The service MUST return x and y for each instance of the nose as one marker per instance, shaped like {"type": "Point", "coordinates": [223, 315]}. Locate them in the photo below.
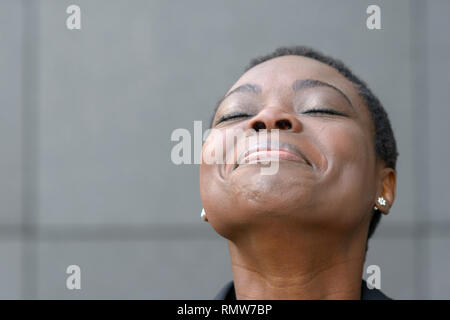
{"type": "Point", "coordinates": [274, 118]}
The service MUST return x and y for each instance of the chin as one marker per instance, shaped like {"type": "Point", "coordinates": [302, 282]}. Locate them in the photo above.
{"type": "Point", "coordinates": [249, 184]}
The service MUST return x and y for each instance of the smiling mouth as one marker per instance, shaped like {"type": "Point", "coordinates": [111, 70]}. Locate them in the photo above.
{"type": "Point", "coordinates": [264, 154]}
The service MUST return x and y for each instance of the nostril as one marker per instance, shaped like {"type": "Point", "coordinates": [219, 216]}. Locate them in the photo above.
{"type": "Point", "coordinates": [284, 124]}
{"type": "Point", "coordinates": [259, 125]}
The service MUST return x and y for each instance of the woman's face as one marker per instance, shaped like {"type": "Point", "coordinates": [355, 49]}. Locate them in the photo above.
{"type": "Point", "coordinates": [334, 190]}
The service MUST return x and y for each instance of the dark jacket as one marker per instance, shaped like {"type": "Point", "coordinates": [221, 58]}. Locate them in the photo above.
{"type": "Point", "coordinates": [228, 293]}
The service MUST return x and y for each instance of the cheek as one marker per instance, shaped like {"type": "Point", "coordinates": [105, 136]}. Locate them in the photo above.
{"type": "Point", "coordinates": [216, 160]}
{"type": "Point", "coordinates": [351, 164]}
{"type": "Point", "coordinates": [214, 195]}
{"type": "Point", "coordinates": [208, 166]}
{"type": "Point", "coordinates": [347, 146]}
{"type": "Point", "coordinates": [211, 147]}
{"type": "Point", "coordinates": [222, 145]}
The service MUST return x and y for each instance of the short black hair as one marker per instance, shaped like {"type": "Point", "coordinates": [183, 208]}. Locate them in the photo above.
{"type": "Point", "coordinates": [384, 140]}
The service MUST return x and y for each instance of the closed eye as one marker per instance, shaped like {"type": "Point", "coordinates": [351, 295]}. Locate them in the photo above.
{"type": "Point", "coordinates": [327, 111]}
{"type": "Point", "coordinates": [231, 116]}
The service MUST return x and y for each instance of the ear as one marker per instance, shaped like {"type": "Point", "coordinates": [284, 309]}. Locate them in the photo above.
{"type": "Point", "coordinates": [386, 189]}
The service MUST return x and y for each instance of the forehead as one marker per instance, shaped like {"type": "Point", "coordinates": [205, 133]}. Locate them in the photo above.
{"type": "Point", "coordinates": [281, 72]}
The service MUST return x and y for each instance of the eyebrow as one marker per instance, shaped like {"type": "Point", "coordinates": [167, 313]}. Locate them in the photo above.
{"type": "Point", "coordinates": [296, 86]}
{"type": "Point", "coordinates": [248, 87]}
{"type": "Point", "coordinates": [311, 83]}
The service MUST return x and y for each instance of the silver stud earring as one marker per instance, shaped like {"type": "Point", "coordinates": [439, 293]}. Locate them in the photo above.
{"type": "Point", "coordinates": [381, 201]}
{"type": "Point", "coordinates": [203, 215]}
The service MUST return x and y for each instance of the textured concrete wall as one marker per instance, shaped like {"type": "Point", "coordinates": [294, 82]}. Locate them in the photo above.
{"type": "Point", "coordinates": [86, 118]}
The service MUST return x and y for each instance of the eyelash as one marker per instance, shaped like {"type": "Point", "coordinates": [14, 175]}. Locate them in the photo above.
{"type": "Point", "coordinates": [234, 115]}
{"type": "Point", "coordinates": [329, 111]}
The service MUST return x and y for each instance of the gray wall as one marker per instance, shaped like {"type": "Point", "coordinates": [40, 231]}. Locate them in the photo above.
{"type": "Point", "coordinates": [86, 118]}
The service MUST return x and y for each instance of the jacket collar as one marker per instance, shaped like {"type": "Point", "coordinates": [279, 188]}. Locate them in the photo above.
{"type": "Point", "coordinates": [227, 293]}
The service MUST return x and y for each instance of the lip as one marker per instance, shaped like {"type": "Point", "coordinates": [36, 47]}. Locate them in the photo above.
{"type": "Point", "coordinates": [264, 152]}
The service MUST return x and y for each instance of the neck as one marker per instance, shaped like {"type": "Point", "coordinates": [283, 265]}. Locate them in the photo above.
{"type": "Point", "coordinates": [272, 265]}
